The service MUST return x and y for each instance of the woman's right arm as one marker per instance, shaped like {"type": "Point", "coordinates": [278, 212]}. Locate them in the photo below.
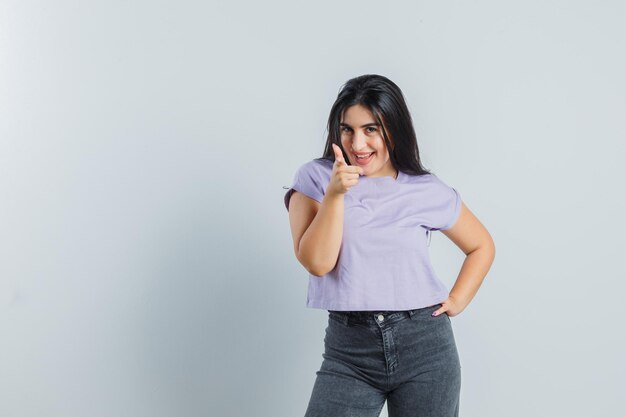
{"type": "Point", "coordinates": [317, 230]}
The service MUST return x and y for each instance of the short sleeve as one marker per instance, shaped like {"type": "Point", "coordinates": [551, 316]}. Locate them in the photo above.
{"type": "Point", "coordinates": [310, 179]}
{"type": "Point", "coordinates": [446, 206]}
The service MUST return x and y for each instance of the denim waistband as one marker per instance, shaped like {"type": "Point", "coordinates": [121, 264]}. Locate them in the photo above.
{"type": "Point", "coordinates": [377, 317]}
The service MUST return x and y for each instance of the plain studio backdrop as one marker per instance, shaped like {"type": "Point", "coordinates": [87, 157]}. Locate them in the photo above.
{"type": "Point", "coordinates": [147, 264]}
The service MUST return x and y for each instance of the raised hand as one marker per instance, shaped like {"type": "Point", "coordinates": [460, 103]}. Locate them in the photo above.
{"type": "Point", "coordinates": [344, 176]}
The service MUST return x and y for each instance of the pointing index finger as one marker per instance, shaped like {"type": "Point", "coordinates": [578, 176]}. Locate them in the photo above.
{"type": "Point", "coordinates": [338, 154]}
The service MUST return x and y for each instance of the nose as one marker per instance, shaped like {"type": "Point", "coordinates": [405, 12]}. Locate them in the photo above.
{"type": "Point", "coordinates": [358, 141]}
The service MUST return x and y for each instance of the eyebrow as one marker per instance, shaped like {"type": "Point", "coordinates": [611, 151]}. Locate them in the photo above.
{"type": "Point", "coordinates": [365, 125]}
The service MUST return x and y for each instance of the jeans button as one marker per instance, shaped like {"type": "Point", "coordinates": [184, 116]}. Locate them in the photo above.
{"type": "Point", "coordinates": [380, 317]}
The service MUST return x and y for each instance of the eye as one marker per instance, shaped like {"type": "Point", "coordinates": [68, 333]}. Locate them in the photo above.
{"type": "Point", "coordinates": [347, 129]}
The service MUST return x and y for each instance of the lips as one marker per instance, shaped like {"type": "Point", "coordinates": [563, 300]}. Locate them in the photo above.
{"type": "Point", "coordinates": [364, 161]}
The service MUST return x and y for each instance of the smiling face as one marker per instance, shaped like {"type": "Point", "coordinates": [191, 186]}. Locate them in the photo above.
{"type": "Point", "coordinates": [362, 136]}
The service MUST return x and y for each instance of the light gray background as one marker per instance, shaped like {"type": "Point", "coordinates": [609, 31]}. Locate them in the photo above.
{"type": "Point", "coordinates": [147, 265]}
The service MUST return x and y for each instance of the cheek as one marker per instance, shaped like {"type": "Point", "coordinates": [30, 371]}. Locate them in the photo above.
{"type": "Point", "coordinates": [345, 143]}
{"type": "Point", "coordinates": [382, 151]}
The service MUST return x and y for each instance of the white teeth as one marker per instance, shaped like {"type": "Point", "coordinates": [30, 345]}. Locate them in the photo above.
{"type": "Point", "coordinates": [364, 157]}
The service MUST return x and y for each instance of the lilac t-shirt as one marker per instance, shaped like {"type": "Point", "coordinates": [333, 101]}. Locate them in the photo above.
{"type": "Point", "coordinates": [383, 261]}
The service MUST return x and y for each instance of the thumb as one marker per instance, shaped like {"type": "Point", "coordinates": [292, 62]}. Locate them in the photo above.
{"type": "Point", "coordinates": [438, 312]}
{"type": "Point", "coordinates": [442, 309]}
{"type": "Point", "coordinates": [338, 154]}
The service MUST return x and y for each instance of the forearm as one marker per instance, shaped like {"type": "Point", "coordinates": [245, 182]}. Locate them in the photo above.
{"type": "Point", "coordinates": [320, 244]}
{"type": "Point", "coordinates": [472, 274]}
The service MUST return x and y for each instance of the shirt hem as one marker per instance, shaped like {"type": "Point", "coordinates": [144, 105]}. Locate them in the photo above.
{"type": "Point", "coordinates": [313, 304]}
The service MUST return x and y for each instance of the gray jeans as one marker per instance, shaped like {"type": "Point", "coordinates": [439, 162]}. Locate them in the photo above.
{"type": "Point", "coordinates": [407, 358]}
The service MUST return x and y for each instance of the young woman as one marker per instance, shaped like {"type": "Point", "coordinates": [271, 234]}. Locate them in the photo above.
{"type": "Point", "coordinates": [361, 218]}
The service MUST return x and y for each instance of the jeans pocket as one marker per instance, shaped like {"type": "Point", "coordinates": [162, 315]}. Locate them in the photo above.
{"type": "Point", "coordinates": [425, 313]}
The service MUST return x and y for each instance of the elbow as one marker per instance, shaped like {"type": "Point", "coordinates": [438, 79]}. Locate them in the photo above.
{"type": "Point", "coordinates": [486, 249]}
{"type": "Point", "coordinates": [318, 269]}
{"type": "Point", "coordinates": [492, 248]}
{"type": "Point", "coordinates": [316, 273]}
{"type": "Point", "coordinates": [315, 265]}
{"type": "Point", "coordinates": [489, 249]}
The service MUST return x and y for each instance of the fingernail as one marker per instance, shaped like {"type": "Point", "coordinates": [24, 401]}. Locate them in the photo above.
{"type": "Point", "coordinates": [434, 313]}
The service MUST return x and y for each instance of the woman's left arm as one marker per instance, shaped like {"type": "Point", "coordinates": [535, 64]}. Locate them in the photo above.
{"type": "Point", "coordinates": [474, 240]}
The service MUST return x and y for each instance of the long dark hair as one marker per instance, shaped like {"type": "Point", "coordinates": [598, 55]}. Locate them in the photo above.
{"type": "Point", "coordinates": [386, 102]}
